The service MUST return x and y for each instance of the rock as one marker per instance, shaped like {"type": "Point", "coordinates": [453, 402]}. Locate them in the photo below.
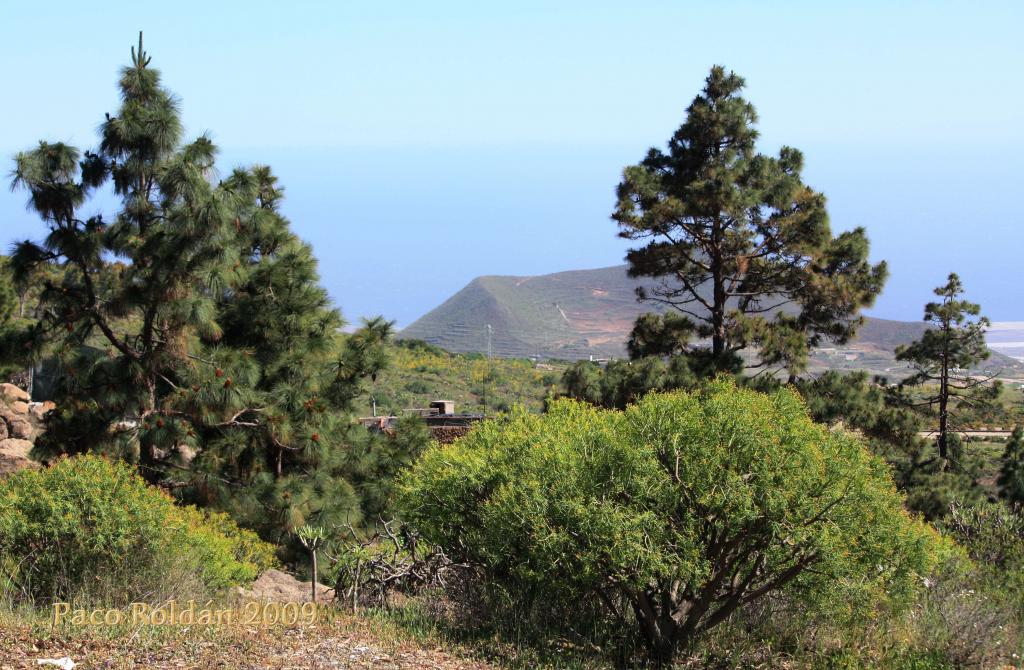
{"type": "Point", "coordinates": [277, 586]}
{"type": "Point", "coordinates": [20, 407]}
{"type": "Point", "coordinates": [185, 453]}
{"type": "Point", "coordinates": [3, 429]}
{"type": "Point", "coordinates": [18, 425]}
{"type": "Point", "coordinates": [12, 393]}
{"type": "Point", "coordinates": [14, 456]}
{"type": "Point", "coordinates": [40, 409]}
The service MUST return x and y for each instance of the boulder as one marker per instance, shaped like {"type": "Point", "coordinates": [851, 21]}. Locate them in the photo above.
{"type": "Point", "coordinates": [39, 410]}
{"type": "Point", "coordinates": [14, 456]}
{"type": "Point", "coordinates": [18, 425]}
{"type": "Point", "coordinates": [20, 407]}
{"type": "Point", "coordinates": [12, 393]}
{"type": "Point", "coordinates": [3, 429]}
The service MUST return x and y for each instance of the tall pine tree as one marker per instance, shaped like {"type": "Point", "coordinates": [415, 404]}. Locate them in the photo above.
{"type": "Point", "coordinates": [11, 354]}
{"type": "Point", "coordinates": [1011, 473]}
{"type": "Point", "coordinates": [740, 245]}
{"type": "Point", "coordinates": [193, 333]}
{"type": "Point", "coordinates": [943, 357]}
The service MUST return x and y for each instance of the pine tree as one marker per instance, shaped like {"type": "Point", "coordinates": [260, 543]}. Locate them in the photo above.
{"type": "Point", "coordinates": [663, 335]}
{"type": "Point", "coordinates": [290, 454]}
{"type": "Point", "coordinates": [122, 328]}
{"type": "Point", "coordinates": [193, 333]}
{"type": "Point", "coordinates": [739, 244]}
{"type": "Point", "coordinates": [8, 296]}
{"type": "Point", "coordinates": [943, 357]}
{"type": "Point", "coordinates": [12, 351]}
{"type": "Point", "coordinates": [623, 382]}
{"type": "Point", "coordinates": [1011, 474]}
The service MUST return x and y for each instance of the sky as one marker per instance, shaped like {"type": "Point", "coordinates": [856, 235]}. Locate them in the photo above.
{"type": "Point", "coordinates": [422, 144]}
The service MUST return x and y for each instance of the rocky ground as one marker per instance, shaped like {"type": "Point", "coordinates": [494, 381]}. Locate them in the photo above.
{"type": "Point", "coordinates": [279, 587]}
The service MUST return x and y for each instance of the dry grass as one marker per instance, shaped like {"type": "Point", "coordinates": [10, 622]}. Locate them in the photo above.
{"type": "Point", "coordinates": [337, 641]}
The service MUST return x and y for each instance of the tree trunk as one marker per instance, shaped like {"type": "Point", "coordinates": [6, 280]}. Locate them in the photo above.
{"type": "Point", "coordinates": [718, 335]}
{"type": "Point", "coordinates": [944, 405]}
{"type": "Point", "coordinates": [662, 632]}
{"type": "Point", "coordinates": [147, 451]}
{"type": "Point", "coordinates": [718, 339]}
{"type": "Point", "coordinates": [662, 654]}
{"type": "Point", "coordinates": [944, 419]}
{"type": "Point", "coordinates": [313, 553]}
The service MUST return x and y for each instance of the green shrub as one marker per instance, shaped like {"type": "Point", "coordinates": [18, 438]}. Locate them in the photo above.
{"type": "Point", "coordinates": [670, 516]}
{"type": "Point", "coordinates": [418, 386]}
{"type": "Point", "coordinates": [93, 530]}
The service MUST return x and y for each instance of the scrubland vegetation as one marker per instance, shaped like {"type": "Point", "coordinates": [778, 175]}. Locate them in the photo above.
{"type": "Point", "coordinates": [419, 373]}
{"type": "Point", "coordinates": [706, 503]}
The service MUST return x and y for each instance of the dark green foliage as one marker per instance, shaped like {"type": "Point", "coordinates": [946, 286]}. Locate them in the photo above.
{"type": "Point", "coordinates": [8, 296]}
{"type": "Point", "coordinates": [879, 411]}
{"type": "Point", "coordinates": [663, 335]}
{"type": "Point", "coordinates": [943, 356]}
{"type": "Point", "coordinates": [621, 383]}
{"type": "Point", "coordinates": [385, 457]}
{"type": "Point", "coordinates": [122, 329]}
{"type": "Point", "coordinates": [875, 409]}
{"type": "Point", "coordinates": [992, 534]}
{"type": "Point", "coordinates": [582, 381]}
{"type": "Point", "coordinates": [931, 490]}
{"type": "Point", "coordinates": [1011, 474]}
{"type": "Point", "coordinates": [191, 329]}
{"type": "Point", "coordinates": [12, 349]}
{"type": "Point", "coordinates": [869, 406]}
{"type": "Point", "coordinates": [741, 246]}
{"type": "Point", "coordinates": [19, 311]}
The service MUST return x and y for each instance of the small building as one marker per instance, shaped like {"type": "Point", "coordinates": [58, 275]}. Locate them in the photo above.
{"type": "Point", "coordinates": [442, 407]}
{"type": "Point", "coordinates": [445, 425]}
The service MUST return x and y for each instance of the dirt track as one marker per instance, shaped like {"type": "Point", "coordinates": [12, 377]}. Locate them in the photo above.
{"type": "Point", "coordinates": [974, 434]}
{"type": "Point", "coordinates": [346, 643]}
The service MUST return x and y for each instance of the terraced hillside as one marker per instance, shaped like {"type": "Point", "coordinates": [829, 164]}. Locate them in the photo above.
{"type": "Point", "coordinates": [583, 313]}
{"type": "Point", "coordinates": [567, 315]}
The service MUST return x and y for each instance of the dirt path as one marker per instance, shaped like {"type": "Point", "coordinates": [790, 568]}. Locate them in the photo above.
{"type": "Point", "coordinates": [975, 434]}
{"type": "Point", "coordinates": [345, 643]}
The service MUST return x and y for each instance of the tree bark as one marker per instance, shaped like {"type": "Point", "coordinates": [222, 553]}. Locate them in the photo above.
{"type": "Point", "coordinates": [147, 452]}
{"type": "Point", "coordinates": [313, 554]}
{"type": "Point", "coordinates": [718, 335]}
{"type": "Point", "coordinates": [944, 402]}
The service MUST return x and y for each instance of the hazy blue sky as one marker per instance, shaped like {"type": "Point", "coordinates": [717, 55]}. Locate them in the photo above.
{"type": "Point", "coordinates": [425, 143]}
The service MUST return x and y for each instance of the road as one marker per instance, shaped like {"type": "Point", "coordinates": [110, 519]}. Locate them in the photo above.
{"type": "Point", "coordinates": [973, 434]}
